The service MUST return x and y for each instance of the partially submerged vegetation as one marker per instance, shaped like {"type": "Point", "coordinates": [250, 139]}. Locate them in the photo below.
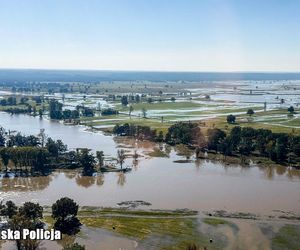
{"type": "Point", "coordinates": [244, 142]}
{"type": "Point", "coordinates": [38, 155]}
{"type": "Point", "coordinates": [287, 238]}
{"type": "Point", "coordinates": [191, 122]}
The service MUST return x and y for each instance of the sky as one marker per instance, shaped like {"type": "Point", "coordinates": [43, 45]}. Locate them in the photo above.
{"type": "Point", "coordinates": [155, 35]}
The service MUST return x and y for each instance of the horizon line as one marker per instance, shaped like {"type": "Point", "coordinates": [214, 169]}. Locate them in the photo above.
{"type": "Point", "coordinates": [155, 71]}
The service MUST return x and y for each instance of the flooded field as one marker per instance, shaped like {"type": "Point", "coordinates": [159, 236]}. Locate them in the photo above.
{"type": "Point", "coordinates": [200, 185]}
{"type": "Point", "coordinates": [253, 207]}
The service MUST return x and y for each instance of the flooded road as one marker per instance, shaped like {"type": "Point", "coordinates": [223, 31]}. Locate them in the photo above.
{"type": "Point", "coordinates": [199, 185]}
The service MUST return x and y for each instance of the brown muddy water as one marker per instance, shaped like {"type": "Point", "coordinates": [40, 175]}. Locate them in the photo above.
{"type": "Point", "coordinates": [91, 238]}
{"type": "Point", "coordinates": [201, 185]}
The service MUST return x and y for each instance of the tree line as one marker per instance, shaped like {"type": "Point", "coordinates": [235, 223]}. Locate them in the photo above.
{"type": "Point", "coordinates": [246, 141]}
{"type": "Point", "coordinates": [40, 154]}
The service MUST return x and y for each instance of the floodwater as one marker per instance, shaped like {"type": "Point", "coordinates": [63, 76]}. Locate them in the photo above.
{"type": "Point", "coordinates": [200, 185]}
{"type": "Point", "coordinates": [91, 238]}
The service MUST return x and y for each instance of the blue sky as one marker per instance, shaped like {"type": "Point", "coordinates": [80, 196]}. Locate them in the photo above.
{"type": "Point", "coordinates": [171, 35]}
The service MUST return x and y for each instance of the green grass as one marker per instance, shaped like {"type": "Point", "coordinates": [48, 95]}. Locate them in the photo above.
{"type": "Point", "coordinates": [152, 123]}
{"type": "Point", "coordinates": [287, 238]}
{"type": "Point", "coordinates": [90, 211]}
{"type": "Point", "coordinates": [215, 221]}
{"type": "Point", "coordinates": [161, 106]}
{"type": "Point", "coordinates": [157, 153]}
{"type": "Point", "coordinates": [153, 229]}
{"type": "Point", "coordinates": [293, 122]}
{"type": "Point", "coordinates": [154, 233]}
{"type": "Point", "coordinates": [221, 123]}
{"type": "Point", "coordinates": [13, 106]}
{"type": "Point", "coordinates": [140, 228]}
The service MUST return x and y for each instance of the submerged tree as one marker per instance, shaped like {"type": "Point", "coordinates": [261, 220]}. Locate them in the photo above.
{"type": "Point", "coordinates": [130, 110]}
{"type": "Point", "coordinates": [5, 158]}
{"type": "Point", "coordinates": [100, 158]}
{"type": "Point", "coordinates": [144, 112]}
{"type": "Point", "coordinates": [87, 161]}
{"type": "Point", "coordinates": [121, 157]}
{"type": "Point", "coordinates": [124, 100]}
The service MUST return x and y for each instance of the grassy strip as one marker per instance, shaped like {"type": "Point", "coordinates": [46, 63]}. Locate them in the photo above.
{"type": "Point", "coordinates": [104, 211]}
{"type": "Point", "coordinates": [157, 153]}
{"type": "Point", "coordinates": [154, 229]}
{"type": "Point", "coordinates": [215, 221]}
{"type": "Point", "coordinates": [161, 106]}
{"type": "Point", "coordinates": [287, 238]}
{"type": "Point", "coordinates": [221, 123]}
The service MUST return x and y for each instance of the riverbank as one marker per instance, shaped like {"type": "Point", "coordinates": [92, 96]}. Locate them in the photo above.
{"type": "Point", "coordinates": [176, 229]}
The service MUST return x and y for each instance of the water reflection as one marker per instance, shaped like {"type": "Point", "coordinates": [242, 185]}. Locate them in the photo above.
{"type": "Point", "coordinates": [121, 179]}
{"type": "Point", "coordinates": [221, 186]}
{"type": "Point", "coordinates": [271, 172]}
{"type": "Point", "coordinates": [84, 181]}
{"type": "Point", "coordinates": [100, 180]}
{"type": "Point", "coordinates": [24, 184]}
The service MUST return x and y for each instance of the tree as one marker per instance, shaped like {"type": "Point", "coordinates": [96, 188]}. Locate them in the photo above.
{"type": "Point", "coordinates": [160, 137]}
{"type": "Point", "coordinates": [231, 119]}
{"type": "Point", "coordinates": [9, 209]}
{"type": "Point", "coordinates": [263, 137]}
{"type": "Point", "coordinates": [173, 99]}
{"type": "Point", "coordinates": [137, 98]}
{"type": "Point", "coordinates": [55, 148]}
{"type": "Point", "coordinates": [20, 222]}
{"type": "Point", "coordinates": [28, 217]}
{"type": "Point", "coordinates": [100, 157]}
{"type": "Point", "coordinates": [42, 135]}
{"type": "Point", "coordinates": [4, 157]}
{"type": "Point", "coordinates": [11, 101]}
{"type": "Point", "coordinates": [88, 112]}
{"type": "Point", "coordinates": [64, 211]}
{"type": "Point", "coordinates": [31, 210]}
{"type": "Point", "coordinates": [124, 100]}
{"type": "Point", "coordinates": [121, 157]}
{"type": "Point", "coordinates": [135, 155]}
{"type": "Point", "coordinates": [3, 102]}
{"type": "Point", "coordinates": [183, 133]}
{"type": "Point", "coordinates": [87, 161]}
{"type": "Point", "coordinates": [55, 109]}
{"type": "Point", "coordinates": [144, 112]}
{"type": "Point", "coordinates": [109, 111]}
{"type": "Point", "coordinates": [246, 145]}
{"type": "Point", "coordinates": [280, 147]}
{"type": "Point", "coordinates": [215, 138]}
{"type": "Point", "coordinates": [250, 112]}
{"type": "Point", "coordinates": [234, 138]}
{"type": "Point", "coordinates": [291, 109]}
{"type": "Point", "coordinates": [40, 112]}
{"type": "Point", "coordinates": [2, 137]}
{"type": "Point", "coordinates": [130, 110]}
